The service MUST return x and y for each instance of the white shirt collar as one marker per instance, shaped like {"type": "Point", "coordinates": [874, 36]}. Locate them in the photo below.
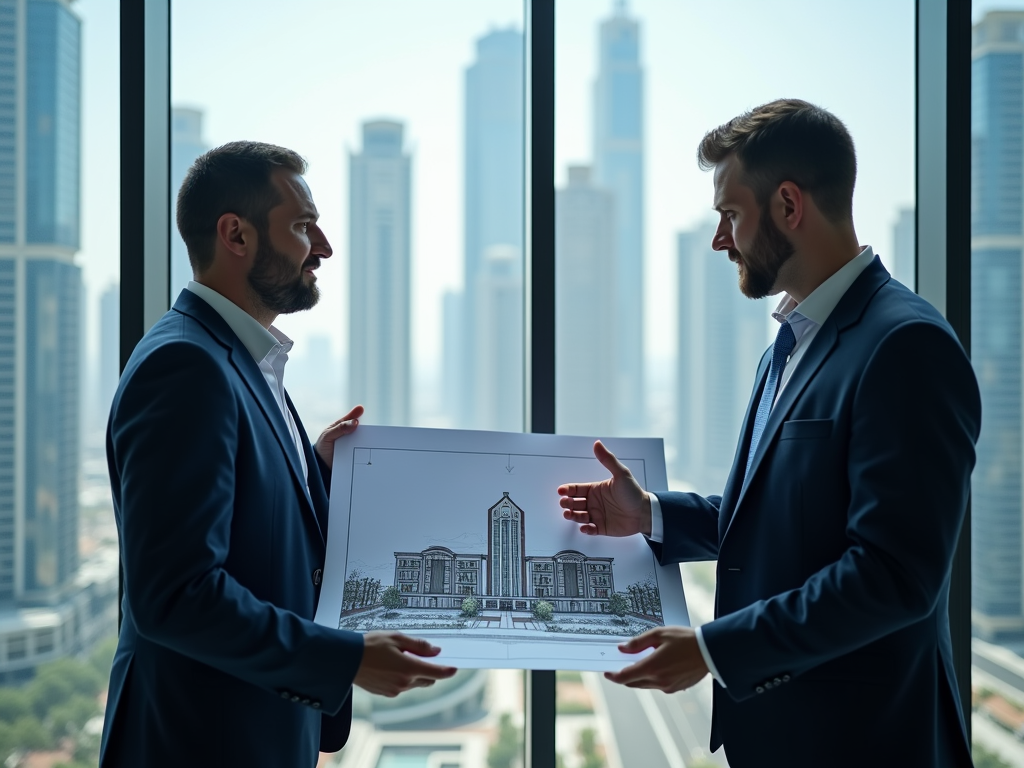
{"type": "Point", "coordinates": [823, 299]}
{"type": "Point", "coordinates": [254, 337]}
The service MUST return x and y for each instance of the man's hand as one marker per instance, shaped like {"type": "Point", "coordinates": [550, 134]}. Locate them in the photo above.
{"type": "Point", "coordinates": [675, 665]}
{"type": "Point", "coordinates": [617, 506]}
{"type": "Point", "coordinates": [390, 666]}
{"type": "Point", "coordinates": [346, 425]}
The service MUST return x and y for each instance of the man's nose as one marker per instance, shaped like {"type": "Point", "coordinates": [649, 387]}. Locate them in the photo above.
{"type": "Point", "coordinates": [722, 241]}
{"type": "Point", "coordinates": [319, 246]}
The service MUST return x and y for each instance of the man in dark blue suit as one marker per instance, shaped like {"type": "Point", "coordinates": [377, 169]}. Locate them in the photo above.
{"type": "Point", "coordinates": [221, 501]}
{"type": "Point", "coordinates": [835, 533]}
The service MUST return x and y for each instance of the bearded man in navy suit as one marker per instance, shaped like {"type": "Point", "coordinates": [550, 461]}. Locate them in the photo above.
{"type": "Point", "coordinates": [836, 530]}
{"type": "Point", "coordinates": [221, 503]}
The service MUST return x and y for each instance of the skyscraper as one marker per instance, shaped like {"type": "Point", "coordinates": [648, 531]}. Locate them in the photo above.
{"type": "Point", "coordinates": [904, 252]}
{"type": "Point", "coordinates": [997, 248]}
{"type": "Point", "coordinates": [493, 206]}
{"type": "Point", "coordinates": [186, 145]}
{"type": "Point", "coordinates": [380, 214]}
{"type": "Point", "coordinates": [498, 320]}
{"type": "Point", "coordinates": [722, 335]}
{"type": "Point", "coordinates": [619, 167]}
{"type": "Point", "coordinates": [585, 384]}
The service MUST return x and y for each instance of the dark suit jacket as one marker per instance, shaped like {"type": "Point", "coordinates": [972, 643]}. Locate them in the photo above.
{"type": "Point", "coordinates": [834, 553]}
{"type": "Point", "coordinates": [219, 662]}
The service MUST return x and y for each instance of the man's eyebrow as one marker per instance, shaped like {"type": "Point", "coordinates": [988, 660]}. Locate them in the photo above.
{"type": "Point", "coordinates": [308, 213]}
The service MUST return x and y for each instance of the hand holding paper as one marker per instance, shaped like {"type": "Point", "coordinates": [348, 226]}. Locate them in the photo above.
{"type": "Point", "coordinates": [390, 666]}
{"type": "Point", "coordinates": [675, 665]}
{"type": "Point", "coordinates": [617, 506]}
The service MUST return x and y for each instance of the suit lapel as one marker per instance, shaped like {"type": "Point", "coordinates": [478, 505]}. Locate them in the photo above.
{"type": "Point", "coordinates": [193, 306]}
{"type": "Point", "coordinates": [847, 312]}
{"type": "Point", "coordinates": [315, 486]}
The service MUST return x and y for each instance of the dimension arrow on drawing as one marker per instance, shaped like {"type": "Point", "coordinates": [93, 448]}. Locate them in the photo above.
{"type": "Point", "coordinates": [508, 465]}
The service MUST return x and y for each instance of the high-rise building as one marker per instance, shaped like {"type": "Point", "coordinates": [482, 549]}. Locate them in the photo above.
{"type": "Point", "coordinates": [110, 354]}
{"type": "Point", "coordinates": [997, 248]}
{"type": "Point", "coordinates": [722, 335]}
{"type": "Point", "coordinates": [585, 383]}
{"type": "Point", "coordinates": [904, 250]}
{"type": "Point", "coordinates": [498, 317]}
{"type": "Point", "coordinates": [493, 207]}
{"type": "Point", "coordinates": [380, 204]}
{"type": "Point", "coordinates": [619, 167]}
{"type": "Point", "coordinates": [186, 145]}
{"type": "Point", "coordinates": [44, 612]}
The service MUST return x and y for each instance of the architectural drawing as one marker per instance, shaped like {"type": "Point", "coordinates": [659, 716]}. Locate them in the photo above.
{"type": "Point", "coordinates": [506, 578]}
{"type": "Point", "coordinates": [457, 536]}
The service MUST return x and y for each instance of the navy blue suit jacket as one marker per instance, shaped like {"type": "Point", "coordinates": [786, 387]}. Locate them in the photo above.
{"type": "Point", "coordinates": [834, 553]}
{"type": "Point", "coordinates": [219, 662]}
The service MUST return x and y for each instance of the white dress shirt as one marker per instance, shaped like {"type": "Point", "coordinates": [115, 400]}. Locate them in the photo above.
{"type": "Point", "coordinates": [805, 322]}
{"type": "Point", "coordinates": [268, 348]}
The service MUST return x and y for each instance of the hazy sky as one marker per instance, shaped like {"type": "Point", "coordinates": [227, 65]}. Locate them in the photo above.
{"type": "Point", "coordinates": [307, 73]}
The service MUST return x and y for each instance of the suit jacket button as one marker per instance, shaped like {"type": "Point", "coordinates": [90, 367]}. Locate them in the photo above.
{"type": "Point", "coordinates": [785, 678]}
{"type": "Point", "coordinates": [318, 574]}
{"type": "Point", "coordinates": [777, 681]}
{"type": "Point", "coordinates": [305, 701]}
{"type": "Point", "coordinates": [759, 689]}
{"type": "Point", "coordinates": [767, 684]}
{"type": "Point", "coordinates": [295, 698]}
{"type": "Point", "coordinates": [315, 705]}
{"type": "Point", "coordinates": [285, 695]}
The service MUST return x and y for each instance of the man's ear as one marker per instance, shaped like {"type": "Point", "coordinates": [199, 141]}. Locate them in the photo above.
{"type": "Point", "coordinates": [236, 235]}
{"type": "Point", "coordinates": [790, 206]}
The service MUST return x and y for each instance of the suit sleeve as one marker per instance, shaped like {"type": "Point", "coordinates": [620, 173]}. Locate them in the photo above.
{"type": "Point", "coordinates": [174, 436]}
{"type": "Point", "coordinates": [690, 528]}
{"type": "Point", "coordinates": [915, 420]}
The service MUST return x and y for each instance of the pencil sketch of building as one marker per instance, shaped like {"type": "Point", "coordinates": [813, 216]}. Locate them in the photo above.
{"type": "Point", "coordinates": [505, 578]}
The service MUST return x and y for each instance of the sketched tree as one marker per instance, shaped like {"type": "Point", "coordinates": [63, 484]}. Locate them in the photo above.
{"type": "Point", "coordinates": [618, 605]}
{"type": "Point", "coordinates": [391, 600]}
{"type": "Point", "coordinates": [543, 610]}
{"type": "Point", "coordinates": [470, 607]}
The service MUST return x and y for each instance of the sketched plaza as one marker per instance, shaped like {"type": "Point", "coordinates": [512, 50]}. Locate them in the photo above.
{"type": "Point", "coordinates": [505, 581]}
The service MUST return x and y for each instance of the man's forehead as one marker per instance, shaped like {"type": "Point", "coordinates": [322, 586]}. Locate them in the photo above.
{"type": "Point", "coordinates": [292, 182]}
{"type": "Point", "coordinates": [725, 178]}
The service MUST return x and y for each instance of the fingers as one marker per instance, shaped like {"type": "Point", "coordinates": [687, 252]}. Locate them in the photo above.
{"type": "Point", "coordinates": [575, 489]}
{"type": "Point", "coordinates": [649, 639]}
{"type": "Point", "coordinates": [415, 645]}
{"type": "Point", "coordinates": [610, 462]}
{"type": "Point", "coordinates": [352, 415]}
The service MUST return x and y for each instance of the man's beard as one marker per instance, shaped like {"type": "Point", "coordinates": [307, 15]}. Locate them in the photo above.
{"type": "Point", "coordinates": [273, 285]}
{"type": "Point", "coordinates": [759, 266]}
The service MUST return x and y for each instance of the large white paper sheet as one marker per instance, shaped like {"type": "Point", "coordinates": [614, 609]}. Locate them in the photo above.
{"type": "Point", "coordinates": [422, 519]}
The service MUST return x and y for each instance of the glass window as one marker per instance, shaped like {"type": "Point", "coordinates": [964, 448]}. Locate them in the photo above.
{"type": "Point", "coordinates": [411, 117]}
{"type": "Point", "coordinates": [997, 247]}
{"type": "Point", "coordinates": [59, 250]}
{"type": "Point", "coordinates": [653, 335]}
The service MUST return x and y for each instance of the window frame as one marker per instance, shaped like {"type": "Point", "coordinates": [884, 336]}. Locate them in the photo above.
{"type": "Point", "coordinates": [943, 263]}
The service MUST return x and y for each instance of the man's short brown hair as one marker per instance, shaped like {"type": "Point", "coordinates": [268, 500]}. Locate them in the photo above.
{"type": "Point", "coordinates": [233, 178]}
{"type": "Point", "coordinates": [789, 140]}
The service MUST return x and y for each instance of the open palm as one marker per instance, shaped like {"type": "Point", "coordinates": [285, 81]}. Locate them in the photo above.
{"type": "Point", "coordinates": [617, 506]}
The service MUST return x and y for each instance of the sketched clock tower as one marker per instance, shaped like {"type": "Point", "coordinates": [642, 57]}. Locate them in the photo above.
{"type": "Point", "coordinates": [506, 546]}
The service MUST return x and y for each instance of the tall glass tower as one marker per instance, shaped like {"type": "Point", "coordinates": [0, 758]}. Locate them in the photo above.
{"type": "Point", "coordinates": [40, 299]}
{"type": "Point", "coordinates": [380, 203]}
{"type": "Point", "coordinates": [493, 217]}
{"type": "Point", "coordinates": [997, 247]}
{"type": "Point", "coordinates": [722, 335]}
{"type": "Point", "coordinates": [585, 400]}
{"type": "Point", "coordinates": [619, 168]}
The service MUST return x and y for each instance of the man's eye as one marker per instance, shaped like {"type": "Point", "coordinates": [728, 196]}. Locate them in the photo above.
{"type": "Point", "coordinates": [305, 226]}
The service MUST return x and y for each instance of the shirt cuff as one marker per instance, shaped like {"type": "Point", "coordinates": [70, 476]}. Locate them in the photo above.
{"type": "Point", "coordinates": [657, 521]}
{"type": "Point", "coordinates": [707, 657]}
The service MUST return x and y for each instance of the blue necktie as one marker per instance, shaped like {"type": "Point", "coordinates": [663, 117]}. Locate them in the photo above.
{"type": "Point", "coordinates": [784, 343]}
